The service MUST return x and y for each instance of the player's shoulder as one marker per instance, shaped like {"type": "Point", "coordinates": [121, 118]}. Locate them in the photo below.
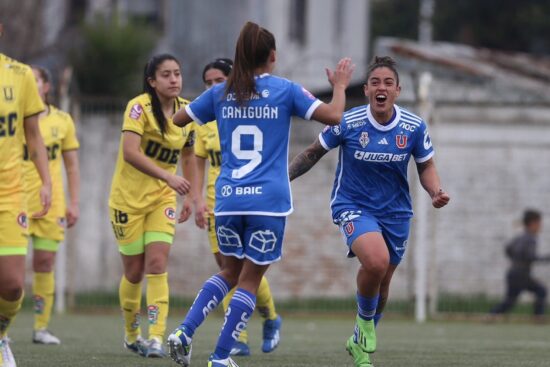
{"type": "Point", "coordinates": [143, 99]}
{"type": "Point", "coordinates": [407, 117]}
{"type": "Point", "coordinates": [13, 66]}
{"type": "Point", "coordinates": [59, 114]}
{"type": "Point", "coordinates": [182, 101]}
{"type": "Point", "coordinates": [274, 81]}
{"type": "Point", "coordinates": [355, 117]}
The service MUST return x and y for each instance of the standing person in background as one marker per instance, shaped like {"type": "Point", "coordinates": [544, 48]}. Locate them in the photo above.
{"type": "Point", "coordinates": [207, 146]}
{"type": "Point", "coordinates": [20, 105]}
{"type": "Point", "coordinates": [59, 135]}
{"type": "Point", "coordinates": [253, 110]}
{"type": "Point", "coordinates": [143, 198]}
{"type": "Point", "coordinates": [370, 198]}
{"type": "Point", "coordinates": [522, 252]}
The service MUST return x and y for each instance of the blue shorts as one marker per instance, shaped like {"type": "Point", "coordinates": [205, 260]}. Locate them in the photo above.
{"type": "Point", "coordinates": [258, 238]}
{"type": "Point", "coordinates": [395, 231]}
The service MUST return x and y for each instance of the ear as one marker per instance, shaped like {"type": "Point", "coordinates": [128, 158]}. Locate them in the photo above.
{"type": "Point", "coordinates": [398, 90]}
{"type": "Point", "coordinates": [365, 89]}
{"type": "Point", "coordinates": [272, 56]}
{"type": "Point", "coordinates": [152, 82]}
{"type": "Point", "coordinates": [46, 88]}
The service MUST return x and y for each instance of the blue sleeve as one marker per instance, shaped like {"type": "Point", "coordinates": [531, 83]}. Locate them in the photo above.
{"type": "Point", "coordinates": [331, 136]}
{"type": "Point", "coordinates": [202, 109]}
{"type": "Point", "coordinates": [303, 102]}
{"type": "Point", "coordinates": [423, 149]}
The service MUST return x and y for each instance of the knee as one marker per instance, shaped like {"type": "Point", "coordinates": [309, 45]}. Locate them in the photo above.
{"type": "Point", "coordinates": [231, 276]}
{"type": "Point", "coordinates": [376, 267]}
{"type": "Point", "coordinates": [156, 265]}
{"type": "Point", "coordinates": [11, 291]}
{"type": "Point", "coordinates": [42, 265]}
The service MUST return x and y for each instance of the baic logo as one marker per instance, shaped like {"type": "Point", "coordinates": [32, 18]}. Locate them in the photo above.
{"type": "Point", "coordinates": [227, 190]}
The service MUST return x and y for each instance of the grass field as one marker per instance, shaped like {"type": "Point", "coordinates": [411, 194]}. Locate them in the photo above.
{"type": "Point", "coordinates": [94, 340]}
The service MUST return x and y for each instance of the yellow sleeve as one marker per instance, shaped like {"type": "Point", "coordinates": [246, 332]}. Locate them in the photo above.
{"type": "Point", "coordinates": [70, 141]}
{"type": "Point", "coordinates": [134, 117]}
{"type": "Point", "coordinates": [191, 131]}
{"type": "Point", "coordinates": [32, 103]}
{"type": "Point", "coordinates": [200, 148]}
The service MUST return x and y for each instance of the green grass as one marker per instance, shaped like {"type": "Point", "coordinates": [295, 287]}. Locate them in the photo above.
{"type": "Point", "coordinates": [318, 340]}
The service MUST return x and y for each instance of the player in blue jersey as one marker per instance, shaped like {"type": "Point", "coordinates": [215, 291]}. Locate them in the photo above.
{"type": "Point", "coordinates": [370, 199]}
{"type": "Point", "coordinates": [253, 110]}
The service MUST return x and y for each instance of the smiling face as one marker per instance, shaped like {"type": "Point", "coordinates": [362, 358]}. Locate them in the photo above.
{"type": "Point", "coordinates": [382, 90]}
{"type": "Point", "coordinates": [167, 81]}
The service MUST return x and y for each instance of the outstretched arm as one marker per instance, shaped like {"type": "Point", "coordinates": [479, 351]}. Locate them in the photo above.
{"type": "Point", "coordinates": [430, 181]}
{"type": "Point", "coordinates": [305, 160]}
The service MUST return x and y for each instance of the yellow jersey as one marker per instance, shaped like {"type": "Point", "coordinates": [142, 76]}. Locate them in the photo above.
{"type": "Point", "coordinates": [18, 99]}
{"type": "Point", "coordinates": [132, 191]}
{"type": "Point", "coordinates": [59, 135]}
{"type": "Point", "coordinates": [208, 147]}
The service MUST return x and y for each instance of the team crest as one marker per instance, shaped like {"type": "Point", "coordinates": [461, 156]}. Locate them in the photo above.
{"type": "Point", "coordinates": [401, 141]}
{"type": "Point", "coordinates": [22, 220]}
{"type": "Point", "coordinates": [170, 213]}
{"type": "Point", "coordinates": [136, 111]}
{"type": "Point", "coordinates": [152, 314]}
{"type": "Point", "coordinates": [336, 130]}
{"type": "Point", "coordinates": [349, 228]}
{"type": "Point", "coordinates": [364, 139]}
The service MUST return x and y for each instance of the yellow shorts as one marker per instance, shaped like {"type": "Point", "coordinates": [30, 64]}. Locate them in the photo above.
{"type": "Point", "coordinates": [13, 232]}
{"type": "Point", "coordinates": [212, 238]}
{"type": "Point", "coordinates": [134, 231]}
{"type": "Point", "coordinates": [51, 227]}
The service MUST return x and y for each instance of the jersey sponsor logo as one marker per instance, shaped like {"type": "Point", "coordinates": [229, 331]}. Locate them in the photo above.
{"type": "Point", "coordinates": [427, 140]}
{"type": "Point", "coordinates": [408, 127]}
{"type": "Point", "coordinates": [349, 228]}
{"type": "Point", "coordinates": [248, 190]}
{"type": "Point", "coordinates": [356, 124]}
{"type": "Point", "coordinates": [136, 111]}
{"type": "Point", "coordinates": [232, 97]}
{"type": "Point", "coordinates": [22, 220]}
{"type": "Point", "coordinates": [152, 314]}
{"type": "Point", "coordinates": [383, 141]}
{"type": "Point", "coordinates": [8, 94]}
{"type": "Point", "coordinates": [228, 237]}
{"type": "Point", "coordinates": [227, 190]}
{"type": "Point", "coordinates": [307, 93]}
{"type": "Point", "coordinates": [364, 139]}
{"type": "Point", "coordinates": [263, 241]}
{"type": "Point", "coordinates": [170, 213]}
{"type": "Point", "coordinates": [156, 151]}
{"type": "Point", "coordinates": [379, 157]}
{"type": "Point", "coordinates": [336, 130]}
{"type": "Point", "coordinates": [8, 124]}
{"type": "Point", "coordinates": [401, 141]}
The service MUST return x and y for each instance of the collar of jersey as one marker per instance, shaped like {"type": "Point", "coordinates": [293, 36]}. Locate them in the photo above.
{"type": "Point", "coordinates": [391, 125]}
{"type": "Point", "coordinates": [261, 75]}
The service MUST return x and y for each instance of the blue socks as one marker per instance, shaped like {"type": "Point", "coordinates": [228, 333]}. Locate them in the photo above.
{"type": "Point", "coordinates": [377, 318]}
{"type": "Point", "coordinates": [366, 307]}
{"type": "Point", "coordinates": [212, 293]}
{"type": "Point", "coordinates": [240, 308]}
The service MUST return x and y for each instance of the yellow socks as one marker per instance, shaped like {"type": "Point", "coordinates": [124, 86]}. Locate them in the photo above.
{"type": "Point", "coordinates": [264, 301]}
{"type": "Point", "coordinates": [8, 310]}
{"type": "Point", "coordinates": [157, 304]}
{"type": "Point", "coordinates": [43, 288]}
{"type": "Point", "coordinates": [130, 302]}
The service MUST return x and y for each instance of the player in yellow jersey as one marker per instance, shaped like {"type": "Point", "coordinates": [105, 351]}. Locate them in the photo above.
{"type": "Point", "coordinates": [143, 198]}
{"type": "Point", "coordinates": [20, 105]}
{"type": "Point", "coordinates": [59, 135]}
{"type": "Point", "coordinates": [207, 147]}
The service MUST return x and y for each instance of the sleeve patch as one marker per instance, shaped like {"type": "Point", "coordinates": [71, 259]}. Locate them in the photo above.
{"type": "Point", "coordinates": [136, 111]}
{"type": "Point", "coordinates": [308, 93]}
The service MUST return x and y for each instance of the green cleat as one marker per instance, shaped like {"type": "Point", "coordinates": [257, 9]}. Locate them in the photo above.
{"type": "Point", "coordinates": [365, 334]}
{"type": "Point", "coordinates": [360, 358]}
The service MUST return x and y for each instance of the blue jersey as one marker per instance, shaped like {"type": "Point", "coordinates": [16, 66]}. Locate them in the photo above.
{"type": "Point", "coordinates": [372, 167]}
{"type": "Point", "coordinates": [254, 142]}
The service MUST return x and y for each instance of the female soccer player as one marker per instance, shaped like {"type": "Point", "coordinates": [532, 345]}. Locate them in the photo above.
{"type": "Point", "coordinates": [20, 105]}
{"type": "Point", "coordinates": [207, 146]}
{"type": "Point", "coordinates": [370, 199]}
{"type": "Point", "coordinates": [253, 111]}
{"type": "Point", "coordinates": [143, 198]}
{"type": "Point", "coordinates": [59, 135]}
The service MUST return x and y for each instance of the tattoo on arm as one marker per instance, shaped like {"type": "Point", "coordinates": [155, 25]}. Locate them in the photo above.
{"type": "Point", "coordinates": [305, 160]}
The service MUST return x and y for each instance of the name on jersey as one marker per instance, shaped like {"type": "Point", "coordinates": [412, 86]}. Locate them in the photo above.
{"type": "Point", "coordinates": [379, 157]}
{"type": "Point", "coordinates": [227, 190]}
{"type": "Point", "coordinates": [250, 112]}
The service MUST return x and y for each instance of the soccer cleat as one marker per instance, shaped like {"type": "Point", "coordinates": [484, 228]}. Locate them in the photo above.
{"type": "Point", "coordinates": [179, 347]}
{"type": "Point", "coordinates": [137, 347]}
{"type": "Point", "coordinates": [228, 362]}
{"type": "Point", "coordinates": [272, 334]}
{"type": "Point", "coordinates": [43, 336]}
{"type": "Point", "coordinates": [360, 358]}
{"type": "Point", "coordinates": [365, 334]}
{"type": "Point", "coordinates": [154, 349]}
{"type": "Point", "coordinates": [6, 356]}
{"type": "Point", "coordinates": [240, 349]}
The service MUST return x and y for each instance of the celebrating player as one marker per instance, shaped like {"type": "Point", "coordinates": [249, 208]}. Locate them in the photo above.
{"type": "Point", "coordinates": [58, 131]}
{"type": "Point", "coordinates": [370, 200]}
{"type": "Point", "coordinates": [207, 146]}
{"type": "Point", "coordinates": [143, 198]}
{"type": "Point", "coordinates": [20, 105]}
{"type": "Point", "coordinates": [253, 111]}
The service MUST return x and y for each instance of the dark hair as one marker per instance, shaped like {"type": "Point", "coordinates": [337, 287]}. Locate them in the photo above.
{"type": "Point", "coordinates": [46, 77]}
{"type": "Point", "coordinates": [530, 216]}
{"type": "Point", "coordinates": [149, 73]}
{"type": "Point", "coordinates": [222, 64]}
{"type": "Point", "coordinates": [383, 62]}
{"type": "Point", "coordinates": [253, 48]}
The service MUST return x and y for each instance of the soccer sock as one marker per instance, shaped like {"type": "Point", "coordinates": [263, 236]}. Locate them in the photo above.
{"type": "Point", "coordinates": [377, 318]}
{"type": "Point", "coordinates": [366, 307]}
{"type": "Point", "coordinates": [265, 304]}
{"type": "Point", "coordinates": [208, 298]}
{"type": "Point", "coordinates": [243, 337]}
{"type": "Point", "coordinates": [8, 310]}
{"type": "Point", "coordinates": [43, 287]}
{"type": "Point", "coordinates": [157, 304]}
{"type": "Point", "coordinates": [130, 302]}
{"type": "Point", "coordinates": [240, 308]}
